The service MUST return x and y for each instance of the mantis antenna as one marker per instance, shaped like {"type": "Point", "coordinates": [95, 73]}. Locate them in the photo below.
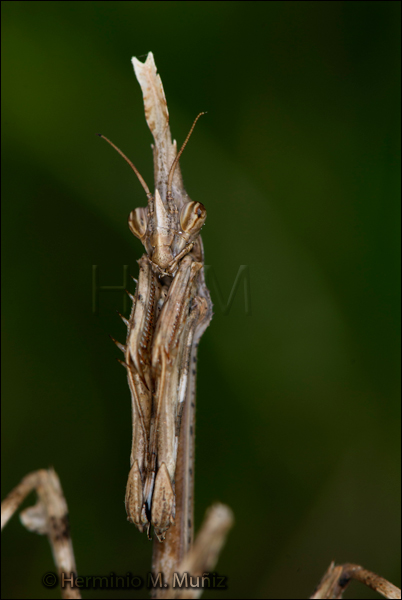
{"type": "Point", "coordinates": [176, 160]}
{"type": "Point", "coordinates": [140, 178]}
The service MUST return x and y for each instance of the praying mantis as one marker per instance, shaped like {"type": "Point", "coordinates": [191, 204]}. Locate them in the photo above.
{"type": "Point", "coordinates": [171, 309]}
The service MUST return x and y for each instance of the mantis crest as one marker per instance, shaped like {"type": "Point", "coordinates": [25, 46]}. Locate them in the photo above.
{"type": "Point", "coordinates": [171, 309]}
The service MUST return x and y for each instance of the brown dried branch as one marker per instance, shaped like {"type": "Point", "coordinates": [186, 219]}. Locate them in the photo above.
{"type": "Point", "coordinates": [48, 516]}
{"type": "Point", "coordinates": [199, 561]}
{"type": "Point", "coordinates": [204, 554]}
{"type": "Point", "coordinates": [337, 578]}
{"type": "Point", "coordinates": [168, 555]}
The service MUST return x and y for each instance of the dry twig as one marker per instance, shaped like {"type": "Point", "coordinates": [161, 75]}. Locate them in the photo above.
{"type": "Point", "coordinates": [338, 577]}
{"type": "Point", "coordinates": [49, 516]}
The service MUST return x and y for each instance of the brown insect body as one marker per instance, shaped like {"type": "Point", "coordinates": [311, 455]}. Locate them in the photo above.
{"type": "Point", "coordinates": [171, 309]}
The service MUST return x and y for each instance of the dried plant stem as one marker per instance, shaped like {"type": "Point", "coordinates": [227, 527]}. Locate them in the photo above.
{"type": "Point", "coordinates": [338, 577]}
{"type": "Point", "coordinates": [168, 555]}
{"type": "Point", "coordinates": [48, 516]}
{"type": "Point", "coordinates": [11, 503]}
{"type": "Point", "coordinates": [204, 554]}
{"type": "Point", "coordinates": [177, 554]}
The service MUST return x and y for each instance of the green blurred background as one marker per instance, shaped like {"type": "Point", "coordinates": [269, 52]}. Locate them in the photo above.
{"type": "Point", "coordinates": [297, 163]}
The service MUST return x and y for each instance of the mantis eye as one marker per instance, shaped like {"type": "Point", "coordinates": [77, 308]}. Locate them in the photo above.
{"type": "Point", "coordinates": [192, 217]}
{"type": "Point", "coordinates": [137, 221]}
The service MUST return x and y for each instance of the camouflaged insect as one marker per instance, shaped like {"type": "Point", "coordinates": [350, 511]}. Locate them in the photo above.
{"type": "Point", "coordinates": [171, 309]}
